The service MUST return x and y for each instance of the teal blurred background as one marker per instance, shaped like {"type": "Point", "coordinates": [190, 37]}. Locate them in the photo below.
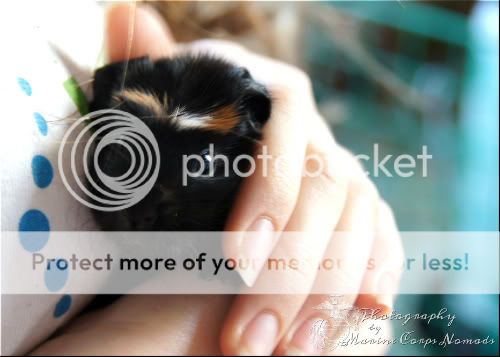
{"type": "Point", "coordinates": [451, 59]}
{"type": "Point", "coordinates": [448, 54]}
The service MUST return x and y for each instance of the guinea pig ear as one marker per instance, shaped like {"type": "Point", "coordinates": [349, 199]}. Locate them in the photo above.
{"type": "Point", "coordinates": [257, 100]}
{"type": "Point", "coordinates": [109, 78]}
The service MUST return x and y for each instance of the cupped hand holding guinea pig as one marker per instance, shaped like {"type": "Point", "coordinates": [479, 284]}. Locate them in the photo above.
{"type": "Point", "coordinates": [340, 199]}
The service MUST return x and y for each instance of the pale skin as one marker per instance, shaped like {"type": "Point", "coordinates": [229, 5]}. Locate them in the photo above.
{"type": "Point", "coordinates": [347, 202]}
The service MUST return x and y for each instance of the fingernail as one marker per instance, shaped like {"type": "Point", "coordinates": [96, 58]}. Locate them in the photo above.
{"type": "Point", "coordinates": [386, 292]}
{"type": "Point", "coordinates": [255, 247]}
{"type": "Point", "coordinates": [305, 339]}
{"type": "Point", "coordinates": [260, 335]}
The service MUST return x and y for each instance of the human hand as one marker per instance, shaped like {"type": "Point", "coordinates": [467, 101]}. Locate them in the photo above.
{"type": "Point", "coordinates": [340, 199]}
{"type": "Point", "coordinates": [278, 198]}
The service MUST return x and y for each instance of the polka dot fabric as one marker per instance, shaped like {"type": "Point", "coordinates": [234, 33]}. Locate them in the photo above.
{"type": "Point", "coordinates": [62, 306]}
{"type": "Point", "coordinates": [34, 220]}
{"type": "Point", "coordinates": [42, 123]}
{"type": "Point", "coordinates": [56, 46]}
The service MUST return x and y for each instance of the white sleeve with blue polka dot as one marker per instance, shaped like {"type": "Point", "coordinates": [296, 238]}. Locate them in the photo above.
{"type": "Point", "coordinates": [52, 46]}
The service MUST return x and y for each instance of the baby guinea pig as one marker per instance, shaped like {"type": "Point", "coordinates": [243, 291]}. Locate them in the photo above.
{"type": "Point", "coordinates": [190, 103]}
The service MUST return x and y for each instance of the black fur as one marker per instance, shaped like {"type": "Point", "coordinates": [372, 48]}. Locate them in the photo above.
{"type": "Point", "coordinates": [202, 85]}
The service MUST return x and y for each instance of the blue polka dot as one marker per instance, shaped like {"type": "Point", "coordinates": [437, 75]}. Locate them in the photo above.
{"type": "Point", "coordinates": [42, 171]}
{"type": "Point", "coordinates": [56, 274]}
{"type": "Point", "coordinates": [25, 86]}
{"type": "Point", "coordinates": [34, 230]}
{"type": "Point", "coordinates": [62, 306]}
{"type": "Point", "coordinates": [42, 124]}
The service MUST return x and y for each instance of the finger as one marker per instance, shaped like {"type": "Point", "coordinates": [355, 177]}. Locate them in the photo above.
{"type": "Point", "coordinates": [145, 325]}
{"type": "Point", "coordinates": [347, 256]}
{"type": "Point", "coordinates": [383, 335]}
{"type": "Point", "coordinates": [370, 330]}
{"type": "Point", "coordinates": [135, 31]}
{"type": "Point", "coordinates": [258, 318]}
{"type": "Point", "coordinates": [387, 248]}
{"type": "Point", "coordinates": [328, 332]}
{"type": "Point", "coordinates": [267, 198]}
{"type": "Point", "coordinates": [380, 284]}
{"type": "Point", "coordinates": [257, 322]}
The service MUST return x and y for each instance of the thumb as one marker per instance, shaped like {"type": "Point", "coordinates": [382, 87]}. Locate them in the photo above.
{"type": "Point", "coordinates": [135, 31]}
